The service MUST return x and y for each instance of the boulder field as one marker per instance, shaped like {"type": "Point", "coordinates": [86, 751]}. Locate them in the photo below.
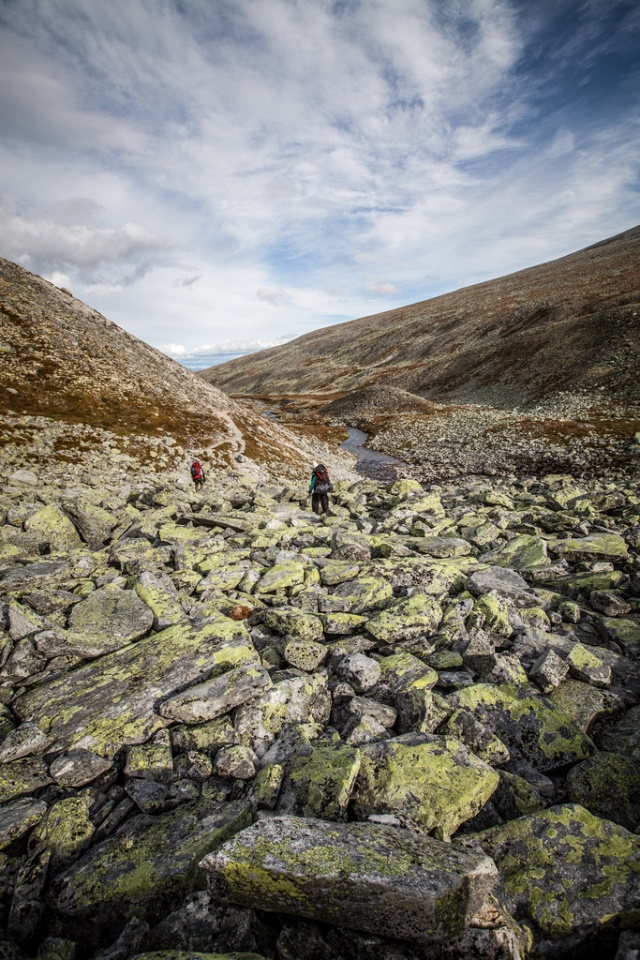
{"type": "Point", "coordinates": [406, 730]}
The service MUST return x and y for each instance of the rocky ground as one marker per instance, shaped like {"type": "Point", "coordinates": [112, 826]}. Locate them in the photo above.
{"type": "Point", "coordinates": [408, 730]}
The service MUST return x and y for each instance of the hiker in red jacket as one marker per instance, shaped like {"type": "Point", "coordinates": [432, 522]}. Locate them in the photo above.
{"type": "Point", "coordinates": [319, 488]}
{"type": "Point", "coordinates": [197, 474]}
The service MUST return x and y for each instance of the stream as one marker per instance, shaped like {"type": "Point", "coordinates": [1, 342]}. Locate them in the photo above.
{"type": "Point", "coordinates": [370, 463]}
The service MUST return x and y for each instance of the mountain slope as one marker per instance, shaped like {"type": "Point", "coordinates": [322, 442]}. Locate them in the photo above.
{"type": "Point", "coordinates": [74, 385]}
{"type": "Point", "coordinates": [571, 323]}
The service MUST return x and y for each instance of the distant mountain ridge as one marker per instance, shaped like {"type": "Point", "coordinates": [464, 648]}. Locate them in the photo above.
{"type": "Point", "coordinates": [570, 324]}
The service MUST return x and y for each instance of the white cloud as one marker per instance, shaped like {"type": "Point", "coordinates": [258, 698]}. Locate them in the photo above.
{"type": "Point", "coordinates": [383, 289]}
{"type": "Point", "coordinates": [203, 171]}
{"type": "Point", "coordinates": [226, 348]}
{"type": "Point", "coordinates": [272, 296]}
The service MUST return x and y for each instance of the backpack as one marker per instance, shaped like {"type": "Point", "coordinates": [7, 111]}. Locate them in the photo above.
{"type": "Point", "coordinates": [196, 471]}
{"type": "Point", "coordinates": [322, 479]}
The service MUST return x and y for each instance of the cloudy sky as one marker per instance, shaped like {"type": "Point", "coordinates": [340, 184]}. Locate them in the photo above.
{"type": "Point", "coordinates": [220, 175]}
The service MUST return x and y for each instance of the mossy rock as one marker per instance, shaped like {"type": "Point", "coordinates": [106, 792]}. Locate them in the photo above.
{"type": "Point", "coordinates": [585, 704]}
{"type": "Point", "coordinates": [142, 870]}
{"type": "Point", "coordinates": [568, 873]}
{"type": "Point", "coordinates": [54, 527]}
{"type": "Point", "coordinates": [608, 785]}
{"type": "Point", "coordinates": [595, 546]}
{"type": "Point", "coordinates": [320, 783]}
{"type": "Point", "coordinates": [381, 880]}
{"type": "Point", "coordinates": [418, 614]}
{"type": "Point", "coordinates": [66, 831]}
{"type": "Point", "coordinates": [523, 553]}
{"type": "Point", "coordinates": [110, 618]}
{"type": "Point", "coordinates": [293, 623]}
{"type": "Point", "coordinates": [111, 703]}
{"type": "Point", "coordinates": [428, 782]}
{"type": "Point", "coordinates": [534, 730]}
{"type": "Point", "coordinates": [281, 576]}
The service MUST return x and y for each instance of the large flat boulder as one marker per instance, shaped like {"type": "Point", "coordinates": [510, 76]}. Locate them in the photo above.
{"type": "Point", "coordinates": [112, 701]}
{"type": "Point", "coordinates": [369, 877]}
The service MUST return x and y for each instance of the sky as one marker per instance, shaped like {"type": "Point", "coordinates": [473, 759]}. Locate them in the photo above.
{"type": "Point", "coordinates": [217, 176]}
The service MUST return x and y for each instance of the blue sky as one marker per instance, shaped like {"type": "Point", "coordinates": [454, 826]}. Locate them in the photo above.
{"type": "Point", "coordinates": [221, 175]}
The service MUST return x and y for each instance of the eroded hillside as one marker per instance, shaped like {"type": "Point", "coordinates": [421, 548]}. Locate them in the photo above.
{"type": "Point", "coordinates": [75, 386]}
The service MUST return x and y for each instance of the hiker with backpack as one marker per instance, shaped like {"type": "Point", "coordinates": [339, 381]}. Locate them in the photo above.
{"type": "Point", "coordinates": [197, 474]}
{"type": "Point", "coordinates": [319, 488]}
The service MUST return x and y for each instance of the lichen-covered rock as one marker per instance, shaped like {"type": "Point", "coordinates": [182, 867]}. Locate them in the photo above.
{"type": "Point", "coordinates": [568, 873]}
{"type": "Point", "coordinates": [92, 522]}
{"type": "Point", "coordinates": [293, 623]}
{"type": "Point", "coordinates": [585, 704]}
{"type": "Point", "coordinates": [429, 782]}
{"type": "Point", "coordinates": [235, 762]}
{"type": "Point", "coordinates": [595, 546]}
{"type": "Point", "coordinates": [608, 785]}
{"type": "Point", "coordinates": [298, 700]}
{"type": "Point", "coordinates": [406, 684]}
{"type": "Point", "coordinates": [523, 553]}
{"type": "Point", "coordinates": [141, 870]}
{"type": "Point", "coordinates": [78, 768]}
{"type": "Point", "coordinates": [65, 831]}
{"type": "Point", "coordinates": [587, 667]}
{"type": "Point", "coordinates": [213, 698]}
{"type": "Point", "coordinates": [358, 596]}
{"type": "Point", "coordinates": [360, 671]}
{"type": "Point", "coordinates": [533, 729]}
{"type": "Point", "coordinates": [111, 702]}
{"type": "Point", "coordinates": [195, 955]}
{"type": "Point", "coordinates": [281, 576]}
{"type": "Point", "coordinates": [305, 654]}
{"type": "Point", "coordinates": [158, 592]}
{"type": "Point", "coordinates": [548, 671]}
{"type": "Point", "coordinates": [21, 777]}
{"type": "Point", "coordinates": [53, 527]}
{"type": "Point", "coordinates": [18, 817]}
{"type": "Point", "coordinates": [623, 736]}
{"type": "Point", "coordinates": [27, 740]}
{"type": "Point", "coordinates": [501, 581]}
{"type": "Point", "coordinates": [362, 876]}
{"type": "Point", "coordinates": [319, 782]}
{"type": "Point", "coordinates": [110, 618]}
{"type": "Point", "coordinates": [151, 761]}
{"type": "Point", "coordinates": [419, 614]}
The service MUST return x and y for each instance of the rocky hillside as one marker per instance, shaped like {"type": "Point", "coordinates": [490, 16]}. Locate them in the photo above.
{"type": "Point", "coordinates": [408, 730]}
{"type": "Point", "coordinates": [77, 390]}
{"type": "Point", "coordinates": [572, 323]}
{"type": "Point", "coordinates": [538, 370]}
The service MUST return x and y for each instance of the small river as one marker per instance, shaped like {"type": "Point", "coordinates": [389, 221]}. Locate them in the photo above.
{"type": "Point", "coordinates": [371, 463]}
